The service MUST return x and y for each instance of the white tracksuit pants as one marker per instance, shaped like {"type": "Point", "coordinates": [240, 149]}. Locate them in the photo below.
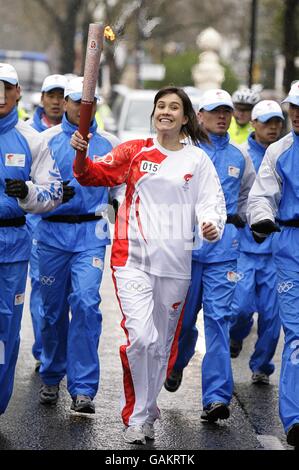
{"type": "Point", "coordinates": [152, 307]}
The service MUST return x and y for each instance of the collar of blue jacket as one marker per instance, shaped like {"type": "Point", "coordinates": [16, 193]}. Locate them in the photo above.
{"type": "Point", "coordinates": [70, 128]}
{"type": "Point", "coordinates": [9, 121]}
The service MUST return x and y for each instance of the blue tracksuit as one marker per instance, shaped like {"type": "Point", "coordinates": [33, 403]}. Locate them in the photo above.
{"type": "Point", "coordinates": [36, 305]}
{"type": "Point", "coordinates": [71, 262]}
{"type": "Point", "coordinates": [36, 121]}
{"type": "Point", "coordinates": [256, 288]}
{"type": "Point", "coordinates": [275, 194]}
{"type": "Point", "coordinates": [23, 156]}
{"type": "Point", "coordinates": [214, 277]}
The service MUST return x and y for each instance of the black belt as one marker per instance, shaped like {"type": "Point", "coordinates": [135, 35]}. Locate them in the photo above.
{"type": "Point", "coordinates": [230, 218]}
{"type": "Point", "coordinates": [15, 222]}
{"type": "Point", "coordinates": [235, 220]}
{"type": "Point", "coordinates": [289, 223]}
{"type": "Point", "coordinates": [73, 219]}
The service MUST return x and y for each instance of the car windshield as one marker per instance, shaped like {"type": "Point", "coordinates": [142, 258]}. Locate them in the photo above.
{"type": "Point", "coordinates": [139, 115]}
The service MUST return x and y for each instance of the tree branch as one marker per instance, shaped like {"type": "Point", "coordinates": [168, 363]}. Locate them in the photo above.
{"type": "Point", "coordinates": [50, 10]}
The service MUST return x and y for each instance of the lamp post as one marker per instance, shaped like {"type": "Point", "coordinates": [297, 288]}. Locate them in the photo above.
{"type": "Point", "coordinates": [254, 6]}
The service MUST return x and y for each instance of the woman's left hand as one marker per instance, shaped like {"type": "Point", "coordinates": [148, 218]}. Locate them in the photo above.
{"type": "Point", "coordinates": [209, 231]}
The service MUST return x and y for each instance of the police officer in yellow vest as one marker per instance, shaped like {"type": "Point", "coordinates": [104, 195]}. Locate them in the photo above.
{"type": "Point", "coordinates": [244, 100]}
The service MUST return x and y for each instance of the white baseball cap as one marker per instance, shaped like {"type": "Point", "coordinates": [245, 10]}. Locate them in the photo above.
{"type": "Point", "coordinates": [293, 96]}
{"type": "Point", "coordinates": [265, 110]}
{"type": "Point", "coordinates": [54, 81]}
{"type": "Point", "coordinates": [74, 89]}
{"type": "Point", "coordinates": [8, 74]}
{"type": "Point", "coordinates": [211, 99]}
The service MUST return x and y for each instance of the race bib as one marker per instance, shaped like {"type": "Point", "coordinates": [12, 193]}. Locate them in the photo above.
{"type": "Point", "coordinates": [149, 167]}
{"type": "Point", "coordinates": [15, 159]}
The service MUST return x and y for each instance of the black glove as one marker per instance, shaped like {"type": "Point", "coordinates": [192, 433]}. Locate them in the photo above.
{"type": "Point", "coordinates": [68, 192]}
{"type": "Point", "coordinates": [265, 226]}
{"type": "Point", "coordinates": [16, 188]}
{"type": "Point", "coordinates": [261, 229]}
{"type": "Point", "coordinates": [236, 220]}
{"type": "Point", "coordinates": [257, 238]}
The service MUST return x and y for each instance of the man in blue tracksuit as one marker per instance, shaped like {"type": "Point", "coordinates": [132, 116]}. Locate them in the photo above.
{"type": "Point", "coordinates": [256, 288]}
{"type": "Point", "coordinates": [71, 249]}
{"type": "Point", "coordinates": [274, 198]}
{"type": "Point", "coordinates": [47, 115]}
{"type": "Point", "coordinates": [29, 182]}
{"type": "Point", "coordinates": [214, 267]}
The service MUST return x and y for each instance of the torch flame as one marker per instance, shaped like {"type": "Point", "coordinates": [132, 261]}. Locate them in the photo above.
{"type": "Point", "coordinates": [109, 34]}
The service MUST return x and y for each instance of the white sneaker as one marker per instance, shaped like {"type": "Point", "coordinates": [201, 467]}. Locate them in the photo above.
{"type": "Point", "coordinates": [149, 431]}
{"type": "Point", "coordinates": [134, 435]}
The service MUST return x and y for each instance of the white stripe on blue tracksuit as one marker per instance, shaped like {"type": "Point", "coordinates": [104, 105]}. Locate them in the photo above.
{"type": "Point", "coordinates": [213, 278]}
{"type": "Point", "coordinates": [71, 261]}
{"type": "Point", "coordinates": [275, 194]}
{"type": "Point", "coordinates": [256, 288]}
{"type": "Point", "coordinates": [32, 221]}
{"type": "Point", "coordinates": [36, 166]}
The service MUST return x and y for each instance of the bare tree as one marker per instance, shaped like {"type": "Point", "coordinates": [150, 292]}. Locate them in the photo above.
{"type": "Point", "coordinates": [63, 17]}
{"type": "Point", "coordinates": [290, 46]}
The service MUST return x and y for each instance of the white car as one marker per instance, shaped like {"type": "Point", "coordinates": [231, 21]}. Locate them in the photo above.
{"type": "Point", "coordinates": [132, 110]}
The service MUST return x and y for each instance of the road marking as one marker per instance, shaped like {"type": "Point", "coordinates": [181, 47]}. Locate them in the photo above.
{"type": "Point", "coordinates": [270, 442]}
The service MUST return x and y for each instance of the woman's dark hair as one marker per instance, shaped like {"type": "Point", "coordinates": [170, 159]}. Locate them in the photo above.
{"type": "Point", "coordinates": [192, 128]}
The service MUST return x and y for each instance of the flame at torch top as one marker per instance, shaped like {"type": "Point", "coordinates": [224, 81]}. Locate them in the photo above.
{"type": "Point", "coordinates": [109, 34]}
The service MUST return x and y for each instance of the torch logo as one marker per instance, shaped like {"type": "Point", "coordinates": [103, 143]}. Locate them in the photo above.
{"type": "Point", "coordinates": [93, 44]}
{"type": "Point", "coordinates": [187, 178]}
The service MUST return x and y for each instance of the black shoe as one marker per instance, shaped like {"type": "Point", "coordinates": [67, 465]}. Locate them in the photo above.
{"type": "Point", "coordinates": [83, 404]}
{"type": "Point", "coordinates": [48, 394]}
{"type": "Point", "coordinates": [235, 348]}
{"type": "Point", "coordinates": [173, 382]}
{"type": "Point", "coordinates": [215, 411]}
{"type": "Point", "coordinates": [293, 436]}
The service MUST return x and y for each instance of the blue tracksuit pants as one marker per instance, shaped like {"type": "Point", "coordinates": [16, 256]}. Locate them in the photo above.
{"type": "Point", "coordinates": [71, 281]}
{"type": "Point", "coordinates": [12, 287]}
{"type": "Point", "coordinates": [212, 287]}
{"type": "Point", "coordinates": [36, 304]}
{"type": "Point", "coordinates": [288, 300]}
{"type": "Point", "coordinates": [256, 291]}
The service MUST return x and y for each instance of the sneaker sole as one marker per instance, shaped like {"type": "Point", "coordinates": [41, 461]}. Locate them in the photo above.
{"type": "Point", "coordinates": [218, 413]}
{"type": "Point", "coordinates": [260, 382]}
{"type": "Point", "coordinates": [293, 437]}
{"type": "Point", "coordinates": [170, 388]}
{"type": "Point", "coordinates": [136, 442]}
{"type": "Point", "coordinates": [44, 401]}
{"type": "Point", "coordinates": [86, 410]}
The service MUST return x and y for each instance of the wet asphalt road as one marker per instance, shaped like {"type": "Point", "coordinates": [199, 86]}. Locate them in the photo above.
{"type": "Point", "coordinates": [254, 423]}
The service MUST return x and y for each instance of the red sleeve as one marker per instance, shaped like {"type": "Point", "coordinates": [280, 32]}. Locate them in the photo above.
{"type": "Point", "coordinates": [114, 167]}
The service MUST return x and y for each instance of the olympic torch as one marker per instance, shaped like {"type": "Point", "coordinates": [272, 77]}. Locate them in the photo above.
{"type": "Point", "coordinates": [94, 49]}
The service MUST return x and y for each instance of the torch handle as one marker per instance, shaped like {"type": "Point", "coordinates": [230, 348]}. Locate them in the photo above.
{"type": "Point", "coordinates": [84, 124]}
